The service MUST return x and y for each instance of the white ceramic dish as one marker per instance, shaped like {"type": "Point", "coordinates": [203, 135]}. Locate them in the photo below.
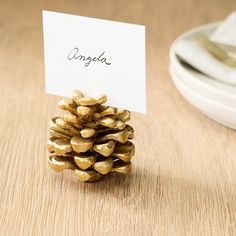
{"type": "Point", "coordinates": [202, 84]}
{"type": "Point", "coordinates": [216, 111]}
{"type": "Point", "coordinates": [221, 93]}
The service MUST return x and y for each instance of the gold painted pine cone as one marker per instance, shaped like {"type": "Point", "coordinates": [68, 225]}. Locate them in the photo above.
{"type": "Point", "coordinates": [90, 139]}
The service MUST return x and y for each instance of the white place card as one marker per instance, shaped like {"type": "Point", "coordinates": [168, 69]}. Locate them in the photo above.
{"type": "Point", "coordinates": [97, 57]}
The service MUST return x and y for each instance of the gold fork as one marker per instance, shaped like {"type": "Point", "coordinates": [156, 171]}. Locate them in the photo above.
{"type": "Point", "coordinates": [216, 51]}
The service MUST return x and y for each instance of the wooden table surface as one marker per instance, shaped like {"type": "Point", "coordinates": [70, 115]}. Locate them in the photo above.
{"type": "Point", "coordinates": [184, 170]}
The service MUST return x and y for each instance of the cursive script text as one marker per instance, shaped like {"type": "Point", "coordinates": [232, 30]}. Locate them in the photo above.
{"type": "Point", "coordinates": [75, 54]}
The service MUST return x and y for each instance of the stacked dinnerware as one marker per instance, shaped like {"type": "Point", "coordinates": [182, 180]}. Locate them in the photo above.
{"type": "Point", "coordinates": [204, 80]}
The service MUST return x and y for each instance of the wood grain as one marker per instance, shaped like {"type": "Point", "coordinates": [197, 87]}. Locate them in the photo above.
{"type": "Point", "coordinates": [184, 178]}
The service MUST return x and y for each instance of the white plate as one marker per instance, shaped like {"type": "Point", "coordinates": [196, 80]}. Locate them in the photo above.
{"type": "Point", "coordinates": [216, 111]}
{"type": "Point", "coordinates": [205, 86]}
{"type": "Point", "coordinates": [213, 89]}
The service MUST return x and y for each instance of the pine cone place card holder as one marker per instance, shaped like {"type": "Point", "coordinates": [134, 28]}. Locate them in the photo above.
{"type": "Point", "coordinates": [91, 139]}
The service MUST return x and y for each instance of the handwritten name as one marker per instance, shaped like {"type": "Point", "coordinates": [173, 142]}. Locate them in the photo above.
{"type": "Point", "coordinates": [75, 54]}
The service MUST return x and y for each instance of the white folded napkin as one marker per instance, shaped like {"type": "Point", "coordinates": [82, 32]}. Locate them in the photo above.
{"type": "Point", "coordinates": [189, 50]}
{"type": "Point", "coordinates": [225, 34]}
